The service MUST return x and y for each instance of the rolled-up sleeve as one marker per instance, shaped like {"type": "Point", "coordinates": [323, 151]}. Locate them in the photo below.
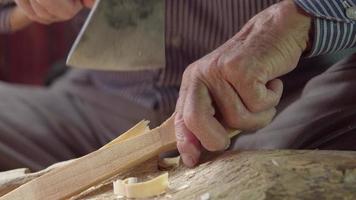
{"type": "Point", "coordinates": [334, 24]}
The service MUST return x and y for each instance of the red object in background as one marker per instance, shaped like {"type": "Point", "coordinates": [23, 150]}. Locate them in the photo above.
{"type": "Point", "coordinates": [28, 55]}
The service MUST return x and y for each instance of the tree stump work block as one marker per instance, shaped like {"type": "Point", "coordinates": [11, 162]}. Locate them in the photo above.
{"type": "Point", "coordinates": [253, 175]}
{"type": "Point", "coordinates": [256, 175]}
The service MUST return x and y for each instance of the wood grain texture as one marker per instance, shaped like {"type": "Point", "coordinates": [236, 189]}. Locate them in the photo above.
{"type": "Point", "coordinates": [13, 179]}
{"type": "Point", "coordinates": [256, 175]}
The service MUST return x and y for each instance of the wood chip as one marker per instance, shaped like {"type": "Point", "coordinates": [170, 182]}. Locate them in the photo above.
{"type": "Point", "coordinates": [169, 163]}
{"type": "Point", "coordinates": [131, 189]}
{"type": "Point", "coordinates": [275, 163]}
{"type": "Point", "coordinates": [182, 187]}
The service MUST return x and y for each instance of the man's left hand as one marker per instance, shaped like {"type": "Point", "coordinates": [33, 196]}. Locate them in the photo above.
{"type": "Point", "coordinates": [50, 11]}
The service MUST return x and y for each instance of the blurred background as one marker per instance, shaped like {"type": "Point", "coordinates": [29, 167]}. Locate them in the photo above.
{"type": "Point", "coordinates": [36, 55]}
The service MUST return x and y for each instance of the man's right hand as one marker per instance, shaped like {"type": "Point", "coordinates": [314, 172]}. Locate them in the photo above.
{"type": "Point", "coordinates": [50, 11]}
{"type": "Point", "coordinates": [237, 86]}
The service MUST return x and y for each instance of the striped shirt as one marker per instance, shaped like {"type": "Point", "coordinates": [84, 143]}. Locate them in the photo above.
{"type": "Point", "coordinates": [5, 9]}
{"type": "Point", "coordinates": [333, 29]}
{"type": "Point", "coordinates": [196, 27]}
{"type": "Point", "coordinates": [193, 29]}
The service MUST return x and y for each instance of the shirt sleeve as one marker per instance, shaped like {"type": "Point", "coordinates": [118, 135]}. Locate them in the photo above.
{"type": "Point", "coordinates": [334, 24]}
{"type": "Point", "coordinates": [5, 26]}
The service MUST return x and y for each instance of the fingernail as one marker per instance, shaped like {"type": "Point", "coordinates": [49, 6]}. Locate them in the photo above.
{"type": "Point", "coordinates": [188, 159]}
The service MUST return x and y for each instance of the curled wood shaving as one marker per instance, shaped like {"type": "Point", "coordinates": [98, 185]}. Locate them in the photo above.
{"type": "Point", "coordinates": [169, 163]}
{"type": "Point", "coordinates": [131, 189]}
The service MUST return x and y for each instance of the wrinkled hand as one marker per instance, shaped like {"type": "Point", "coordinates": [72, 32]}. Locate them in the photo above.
{"type": "Point", "coordinates": [50, 11]}
{"type": "Point", "coordinates": [237, 86]}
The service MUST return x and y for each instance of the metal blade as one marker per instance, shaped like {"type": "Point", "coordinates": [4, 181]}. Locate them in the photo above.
{"type": "Point", "coordinates": [123, 35]}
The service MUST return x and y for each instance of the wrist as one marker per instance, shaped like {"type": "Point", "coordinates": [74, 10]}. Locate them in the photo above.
{"type": "Point", "coordinates": [300, 21]}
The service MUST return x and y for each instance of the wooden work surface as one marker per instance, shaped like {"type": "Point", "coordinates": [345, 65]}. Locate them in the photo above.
{"type": "Point", "coordinates": [254, 175]}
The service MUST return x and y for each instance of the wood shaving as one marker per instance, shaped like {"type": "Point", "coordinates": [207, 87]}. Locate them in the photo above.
{"type": "Point", "coordinates": [190, 173]}
{"type": "Point", "coordinates": [169, 163]}
{"type": "Point", "coordinates": [182, 187]}
{"type": "Point", "coordinates": [130, 188]}
{"type": "Point", "coordinates": [275, 162]}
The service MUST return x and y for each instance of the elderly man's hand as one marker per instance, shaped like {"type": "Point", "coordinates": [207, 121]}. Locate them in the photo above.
{"type": "Point", "coordinates": [237, 86]}
{"type": "Point", "coordinates": [50, 11]}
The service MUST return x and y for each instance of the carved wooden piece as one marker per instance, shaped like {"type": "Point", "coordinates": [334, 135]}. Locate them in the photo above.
{"type": "Point", "coordinates": [97, 166]}
{"type": "Point", "coordinates": [11, 180]}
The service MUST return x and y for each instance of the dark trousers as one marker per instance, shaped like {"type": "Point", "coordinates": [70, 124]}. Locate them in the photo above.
{"type": "Point", "coordinates": [319, 113]}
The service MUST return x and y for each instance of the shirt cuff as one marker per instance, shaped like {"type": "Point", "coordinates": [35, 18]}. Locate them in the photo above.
{"type": "Point", "coordinates": [333, 30]}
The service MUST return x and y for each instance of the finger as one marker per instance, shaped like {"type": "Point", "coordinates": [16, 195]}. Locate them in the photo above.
{"type": "Point", "coordinates": [64, 9]}
{"type": "Point", "coordinates": [188, 145]}
{"type": "Point", "coordinates": [258, 97]}
{"type": "Point", "coordinates": [198, 116]}
{"type": "Point", "coordinates": [77, 6]}
{"type": "Point", "coordinates": [255, 90]}
{"type": "Point", "coordinates": [88, 3]}
{"type": "Point", "coordinates": [276, 86]}
{"type": "Point", "coordinates": [233, 111]}
{"type": "Point", "coordinates": [250, 80]}
{"type": "Point", "coordinates": [41, 12]}
{"type": "Point", "coordinates": [26, 8]}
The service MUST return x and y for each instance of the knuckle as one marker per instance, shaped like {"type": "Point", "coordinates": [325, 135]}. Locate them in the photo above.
{"type": "Point", "coordinates": [188, 71]}
{"type": "Point", "coordinates": [230, 67]}
{"type": "Point", "coordinates": [257, 100]}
